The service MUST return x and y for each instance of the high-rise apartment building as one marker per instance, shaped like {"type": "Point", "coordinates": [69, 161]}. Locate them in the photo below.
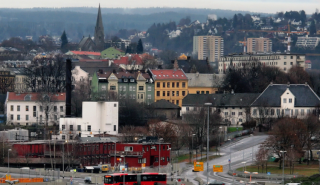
{"type": "Point", "coordinates": [210, 47]}
{"type": "Point", "coordinates": [259, 45]}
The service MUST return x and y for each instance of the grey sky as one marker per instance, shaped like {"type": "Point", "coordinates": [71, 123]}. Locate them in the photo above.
{"type": "Point", "coordinates": [270, 6]}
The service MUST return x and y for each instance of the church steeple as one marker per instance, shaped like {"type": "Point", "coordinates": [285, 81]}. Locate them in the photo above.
{"type": "Point", "coordinates": [99, 32]}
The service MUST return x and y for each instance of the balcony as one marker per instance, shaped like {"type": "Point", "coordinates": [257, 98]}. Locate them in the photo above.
{"type": "Point", "coordinates": [126, 153]}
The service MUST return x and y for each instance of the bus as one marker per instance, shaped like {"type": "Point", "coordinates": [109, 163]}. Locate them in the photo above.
{"type": "Point", "coordinates": [135, 179]}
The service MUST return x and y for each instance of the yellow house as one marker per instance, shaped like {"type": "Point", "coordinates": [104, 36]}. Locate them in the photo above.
{"type": "Point", "coordinates": [170, 85]}
{"type": "Point", "coordinates": [204, 83]}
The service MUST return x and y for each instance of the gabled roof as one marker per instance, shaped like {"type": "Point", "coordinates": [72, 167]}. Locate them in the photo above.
{"type": "Point", "coordinates": [133, 59]}
{"type": "Point", "coordinates": [220, 100]}
{"type": "Point", "coordinates": [85, 53]}
{"type": "Point", "coordinates": [271, 96]}
{"type": "Point", "coordinates": [163, 104]}
{"type": "Point", "coordinates": [168, 74]}
{"type": "Point", "coordinates": [12, 96]}
{"type": "Point", "coordinates": [201, 65]}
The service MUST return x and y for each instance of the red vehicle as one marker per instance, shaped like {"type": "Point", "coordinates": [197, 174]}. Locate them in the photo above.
{"type": "Point", "coordinates": [135, 179]}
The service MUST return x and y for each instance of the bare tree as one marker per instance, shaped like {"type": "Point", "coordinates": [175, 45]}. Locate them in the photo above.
{"type": "Point", "coordinates": [82, 92]}
{"type": "Point", "coordinates": [149, 62]}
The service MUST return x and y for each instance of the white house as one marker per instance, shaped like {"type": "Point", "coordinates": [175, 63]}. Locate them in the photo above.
{"type": "Point", "coordinates": [290, 100]}
{"type": "Point", "coordinates": [34, 108]}
{"type": "Point", "coordinates": [97, 118]}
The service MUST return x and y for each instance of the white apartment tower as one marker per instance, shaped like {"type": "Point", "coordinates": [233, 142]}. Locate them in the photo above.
{"type": "Point", "coordinates": [211, 47]}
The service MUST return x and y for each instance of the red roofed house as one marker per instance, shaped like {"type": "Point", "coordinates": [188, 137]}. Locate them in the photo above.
{"type": "Point", "coordinates": [130, 62]}
{"type": "Point", "coordinates": [170, 85]}
{"type": "Point", "coordinates": [308, 64]}
{"type": "Point", "coordinates": [83, 55]}
{"type": "Point", "coordinates": [32, 108]}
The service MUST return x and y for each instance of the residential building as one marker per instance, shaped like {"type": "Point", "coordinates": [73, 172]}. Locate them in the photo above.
{"type": "Point", "coordinates": [307, 42]}
{"type": "Point", "coordinates": [19, 79]}
{"type": "Point", "coordinates": [6, 81]}
{"type": "Point", "coordinates": [290, 100]}
{"type": "Point", "coordinates": [259, 45]}
{"type": "Point", "coordinates": [112, 53]}
{"type": "Point", "coordinates": [211, 47]}
{"type": "Point", "coordinates": [124, 85]}
{"type": "Point", "coordinates": [233, 107]}
{"type": "Point", "coordinates": [97, 117]}
{"type": "Point", "coordinates": [92, 152]}
{"type": "Point", "coordinates": [17, 63]}
{"type": "Point", "coordinates": [79, 74]}
{"type": "Point", "coordinates": [283, 61]}
{"type": "Point", "coordinates": [193, 65]}
{"type": "Point", "coordinates": [165, 109]}
{"type": "Point", "coordinates": [170, 85]}
{"type": "Point", "coordinates": [129, 62]}
{"type": "Point", "coordinates": [204, 83]}
{"type": "Point", "coordinates": [82, 55]}
{"type": "Point", "coordinates": [34, 108]}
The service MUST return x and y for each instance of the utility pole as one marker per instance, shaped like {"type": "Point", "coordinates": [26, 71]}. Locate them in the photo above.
{"type": "Point", "coordinates": [208, 104]}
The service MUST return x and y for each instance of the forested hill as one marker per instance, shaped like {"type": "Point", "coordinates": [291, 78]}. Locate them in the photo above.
{"type": "Point", "coordinates": [80, 21]}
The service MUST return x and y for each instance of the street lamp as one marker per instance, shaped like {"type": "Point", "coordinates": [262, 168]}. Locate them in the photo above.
{"type": "Point", "coordinates": [244, 166]}
{"type": "Point", "coordinates": [9, 150]}
{"type": "Point", "coordinates": [230, 155]}
{"type": "Point", "coordinates": [208, 104]}
{"type": "Point", "coordinates": [192, 147]}
{"type": "Point", "coordinates": [159, 153]}
{"type": "Point", "coordinates": [219, 140]}
{"type": "Point", "coordinates": [283, 152]}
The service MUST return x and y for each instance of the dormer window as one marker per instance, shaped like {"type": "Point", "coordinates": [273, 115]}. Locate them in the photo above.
{"type": "Point", "coordinates": [125, 80]}
{"type": "Point", "coordinates": [284, 100]}
{"type": "Point", "coordinates": [131, 80]}
{"type": "Point", "coordinates": [27, 97]}
{"type": "Point", "coordinates": [290, 100]}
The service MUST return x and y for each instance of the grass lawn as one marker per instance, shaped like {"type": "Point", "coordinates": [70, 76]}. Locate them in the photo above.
{"type": "Point", "coordinates": [300, 169]}
{"type": "Point", "coordinates": [234, 129]}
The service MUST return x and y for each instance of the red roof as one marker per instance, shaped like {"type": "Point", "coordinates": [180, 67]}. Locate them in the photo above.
{"type": "Point", "coordinates": [93, 60]}
{"type": "Point", "coordinates": [166, 74]}
{"type": "Point", "coordinates": [125, 60]}
{"type": "Point", "coordinates": [85, 53]}
{"type": "Point", "coordinates": [308, 61]}
{"type": "Point", "coordinates": [12, 96]}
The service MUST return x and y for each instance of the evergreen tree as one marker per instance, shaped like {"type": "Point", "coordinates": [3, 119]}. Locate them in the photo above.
{"type": "Point", "coordinates": [235, 21]}
{"type": "Point", "coordinates": [128, 50]}
{"type": "Point", "coordinates": [139, 47]}
{"type": "Point", "coordinates": [64, 42]}
{"type": "Point", "coordinates": [313, 29]}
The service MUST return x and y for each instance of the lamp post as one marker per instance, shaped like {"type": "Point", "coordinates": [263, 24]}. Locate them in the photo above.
{"type": "Point", "coordinates": [244, 166]}
{"type": "Point", "coordinates": [208, 104]}
{"type": "Point", "coordinates": [283, 152]}
{"type": "Point", "coordinates": [192, 147]}
{"type": "Point", "coordinates": [159, 153]}
{"type": "Point", "coordinates": [219, 139]}
{"type": "Point", "coordinates": [9, 150]}
{"type": "Point", "coordinates": [230, 155]}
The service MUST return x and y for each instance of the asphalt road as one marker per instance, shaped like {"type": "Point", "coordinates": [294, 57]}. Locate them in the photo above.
{"type": "Point", "coordinates": [238, 152]}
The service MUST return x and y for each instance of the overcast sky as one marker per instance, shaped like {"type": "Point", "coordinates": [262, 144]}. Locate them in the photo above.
{"type": "Point", "coordinates": [268, 6]}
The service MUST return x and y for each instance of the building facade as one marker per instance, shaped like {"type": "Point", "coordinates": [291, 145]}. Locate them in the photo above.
{"type": "Point", "coordinates": [34, 108]}
{"type": "Point", "coordinates": [307, 42]}
{"type": "Point", "coordinates": [283, 61]}
{"type": "Point", "coordinates": [211, 47]}
{"type": "Point", "coordinates": [170, 85]}
{"type": "Point", "coordinates": [204, 83]}
{"type": "Point", "coordinates": [7, 81]}
{"type": "Point", "coordinates": [259, 45]}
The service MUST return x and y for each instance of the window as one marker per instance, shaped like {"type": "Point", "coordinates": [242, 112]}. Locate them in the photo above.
{"type": "Point", "coordinates": [149, 88]}
{"type": "Point", "coordinates": [183, 84]}
{"type": "Point", "coordinates": [285, 57]}
{"type": "Point", "coordinates": [240, 120]}
{"type": "Point", "coordinates": [18, 108]}
{"type": "Point", "coordinates": [163, 93]}
{"type": "Point", "coordinates": [284, 63]}
{"type": "Point", "coordinates": [55, 108]}
{"type": "Point", "coordinates": [27, 108]}
{"type": "Point", "coordinates": [71, 127]}
{"type": "Point", "coordinates": [164, 84]}
{"type": "Point", "coordinates": [278, 112]}
{"type": "Point", "coordinates": [158, 84]}
{"type": "Point", "coordinates": [34, 108]}
{"type": "Point", "coordinates": [177, 102]}
{"type": "Point", "coordinates": [11, 117]}
{"type": "Point", "coordinates": [125, 80]}
{"type": "Point", "coordinates": [296, 112]}
{"type": "Point", "coordinates": [291, 63]}
{"type": "Point", "coordinates": [133, 96]}
{"type": "Point", "coordinates": [187, 108]}
{"type": "Point", "coordinates": [290, 100]}
{"type": "Point", "coordinates": [272, 112]}
{"type": "Point", "coordinates": [113, 88]}
{"type": "Point", "coordinates": [134, 88]}
{"type": "Point", "coordinates": [168, 93]}
{"type": "Point", "coordinates": [63, 137]}
{"type": "Point", "coordinates": [198, 92]}
{"type": "Point", "coordinates": [124, 88]}
{"type": "Point", "coordinates": [207, 92]}
{"type": "Point", "coordinates": [78, 127]}
{"type": "Point", "coordinates": [226, 113]}
{"type": "Point", "coordinates": [140, 88]}
{"type": "Point", "coordinates": [172, 84]}
{"type": "Point", "coordinates": [120, 88]}
{"type": "Point", "coordinates": [240, 113]}
{"type": "Point", "coordinates": [149, 96]}
{"type": "Point", "coordinates": [254, 112]}
{"type": "Point", "coordinates": [114, 127]}
{"type": "Point", "coordinates": [89, 127]}
{"type": "Point", "coordinates": [63, 127]}
{"type": "Point", "coordinates": [131, 80]}
{"type": "Point", "coordinates": [172, 93]}
{"type": "Point", "coordinates": [70, 137]}
{"type": "Point", "coordinates": [302, 112]}
{"type": "Point", "coordinates": [115, 105]}
{"type": "Point", "coordinates": [291, 57]}
{"type": "Point", "coordinates": [284, 100]}
{"type": "Point", "coordinates": [11, 108]}
{"type": "Point", "coordinates": [18, 117]}
{"type": "Point", "coordinates": [183, 93]}
{"type": "Point", "coordinates": [178, 84]}
{"type": "Point", "coordinates": [158, 93]}
{"type": "Point", "coordinates": [41, 109]}
{"type": "Point", "coordinates": [55, 117]}
{"type": "Point", "coordinates": [103, 88]}
{"type": "Point", "coordinates": [34, 114]}
{"type": "Point", "coordinates": [233, 113]}
{"type": "Point", "coordinates": [168, 84]}
{"type": "Point", "coordinates": [61, 108]}
{"type": "Point", "coordinates": [147, 148]}
{"type": "Point", "coordinates": [27, 117]}
{"type": "Point", "coordinates": [177, 93]}
{"type": "Point", "coordinates": [128, 148]}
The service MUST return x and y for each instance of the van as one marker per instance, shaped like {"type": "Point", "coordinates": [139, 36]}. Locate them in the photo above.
{"type": "Point", "coordinates": [104, 168]}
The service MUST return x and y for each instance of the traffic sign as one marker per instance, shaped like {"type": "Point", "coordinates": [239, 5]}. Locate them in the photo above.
{"type": "Point", "coordinates": [268, 173]}
{"type": "Point", "coordinates": [234, 174]}
{"type": "Point", "coordinates": [217, 168]}
{"type": "Point", "coordinates": [229, 160]}
{"type": "Point", "coordinates": [198, 166]}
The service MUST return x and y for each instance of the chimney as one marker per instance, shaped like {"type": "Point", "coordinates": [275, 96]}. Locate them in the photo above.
{"type": "Point", "coordinates": [68, 88]}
